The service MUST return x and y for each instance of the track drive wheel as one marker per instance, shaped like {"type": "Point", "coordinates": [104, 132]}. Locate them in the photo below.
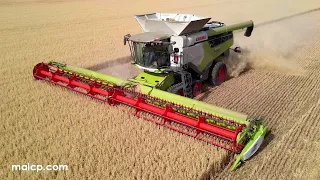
{"type": "Point", "coordinates": [218, 73]}
{"type": "Point", "coordinates": [180, 92]}
{"type": "Point", "coordinates": [197, 89]}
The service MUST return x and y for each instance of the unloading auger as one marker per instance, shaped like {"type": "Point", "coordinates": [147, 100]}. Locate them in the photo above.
{"type": "Point", "coordinates": [178, 53]}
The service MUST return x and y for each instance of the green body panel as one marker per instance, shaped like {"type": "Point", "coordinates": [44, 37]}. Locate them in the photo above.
{"type": "Point", "coordinates": [210, 54]}
{"type": "Point", "coordinates": [159, 80]}
{"type": "Point", "coordinates": [230, 28]}
{"type": "Point", "coordinates": [259, 130]}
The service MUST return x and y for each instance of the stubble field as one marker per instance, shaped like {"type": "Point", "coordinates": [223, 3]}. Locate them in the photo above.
{"type": "Point", "coordinates": [43, 124]}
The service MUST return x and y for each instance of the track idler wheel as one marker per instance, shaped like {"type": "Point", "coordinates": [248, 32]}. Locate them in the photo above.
{"type": "Point", "coordinates": [218, 73]}
{"type": "Point", "coordinates": [197, 89]}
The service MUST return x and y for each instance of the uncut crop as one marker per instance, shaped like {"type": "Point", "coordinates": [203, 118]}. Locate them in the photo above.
{"type": "Point", "coordinates": [45, 124]}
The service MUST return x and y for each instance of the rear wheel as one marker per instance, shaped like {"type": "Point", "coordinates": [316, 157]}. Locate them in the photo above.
{"type": "Point", "coordinates": [218, 73]}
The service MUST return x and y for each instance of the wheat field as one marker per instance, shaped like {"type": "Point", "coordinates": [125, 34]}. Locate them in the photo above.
{"type": "Point", "coordinates": [44, 124]}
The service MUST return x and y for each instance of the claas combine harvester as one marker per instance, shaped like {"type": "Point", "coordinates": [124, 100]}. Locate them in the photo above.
{"type": "Point", "coordinates": [178, 53]}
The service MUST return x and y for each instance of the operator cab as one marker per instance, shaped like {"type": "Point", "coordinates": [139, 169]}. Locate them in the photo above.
{"type": "Point", "coordinates": [151, 55]}
{"type": "Point", "coordinates": [150, 51]}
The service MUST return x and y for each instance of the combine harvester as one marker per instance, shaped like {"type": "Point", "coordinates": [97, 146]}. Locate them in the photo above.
{"type": "Point", "coordinates": [177, 52]}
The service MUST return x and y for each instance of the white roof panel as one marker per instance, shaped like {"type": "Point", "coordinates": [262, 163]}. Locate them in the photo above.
{"type": "Point", "coordinates": [169, 23]}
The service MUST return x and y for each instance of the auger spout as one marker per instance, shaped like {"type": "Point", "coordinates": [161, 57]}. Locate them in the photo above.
{"type": "Point", "coordinates": [225, 29]}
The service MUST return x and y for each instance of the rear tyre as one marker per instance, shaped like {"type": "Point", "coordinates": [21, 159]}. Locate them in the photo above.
{"type": "Point", "coordinates": [218, 73]}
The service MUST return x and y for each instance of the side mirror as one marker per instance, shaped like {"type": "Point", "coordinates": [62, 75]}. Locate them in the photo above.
{"type": "Point", "coordinates": [126, 38]}
{"type": "Point", "coordinates": [176, 50]}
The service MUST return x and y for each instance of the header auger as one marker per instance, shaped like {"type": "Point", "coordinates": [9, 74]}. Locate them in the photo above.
{"type": "Point", "coordinates": [177, 52]}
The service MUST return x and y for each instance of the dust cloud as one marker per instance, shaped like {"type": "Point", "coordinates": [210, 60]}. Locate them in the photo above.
{"type": "Point", "coordinates": [272, 47]}
{"type": "Point", "coordinates": [123, 71]}
{"type": "Point", "coordinates": [120, 68]}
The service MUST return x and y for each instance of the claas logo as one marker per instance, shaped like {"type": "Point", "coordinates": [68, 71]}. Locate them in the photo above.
{"type": "Point", "coordinates": [200, 38]}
